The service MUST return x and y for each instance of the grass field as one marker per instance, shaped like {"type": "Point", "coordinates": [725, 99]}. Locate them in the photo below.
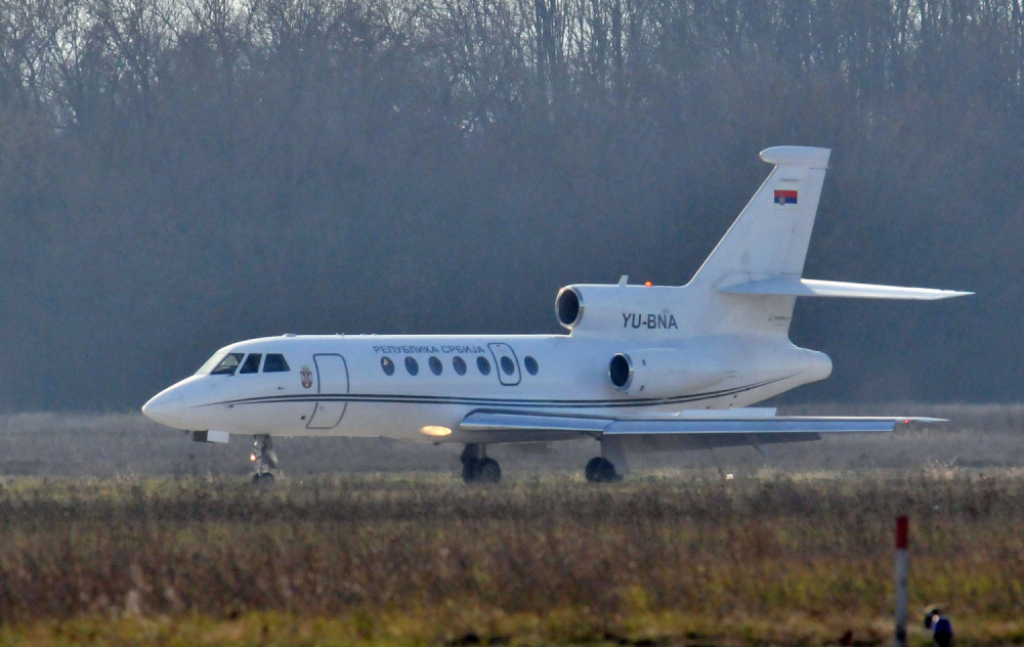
{"type": "Point", "coordinates": [122, 537]}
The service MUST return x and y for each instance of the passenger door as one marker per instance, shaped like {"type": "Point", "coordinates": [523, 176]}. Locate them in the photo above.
{"type": "Point", "coordinates": [332, 385]}
{"type": "Point", "coordinates": [506, 363]}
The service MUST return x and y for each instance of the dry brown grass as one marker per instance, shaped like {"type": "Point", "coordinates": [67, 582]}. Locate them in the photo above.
{"type": "Point", "coordinates": [737, 559]}
{"type": "Point", "coordinates": [794, 549]}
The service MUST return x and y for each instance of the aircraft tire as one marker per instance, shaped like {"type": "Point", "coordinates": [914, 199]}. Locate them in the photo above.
{"type": "Point", "coordinates": [487, 471]}
{"type": "Point", "coordinates": [469, 468]}
{"type": "Point", "coordinates": [600, 470]}
{"type": "Point", "coordinates": [266, 479]}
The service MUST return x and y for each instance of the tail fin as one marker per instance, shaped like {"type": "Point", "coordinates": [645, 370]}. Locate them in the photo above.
{"type": "Point", "coordinates": [769, 239]}
{"type": "Point", "coordinates": [751, 280]}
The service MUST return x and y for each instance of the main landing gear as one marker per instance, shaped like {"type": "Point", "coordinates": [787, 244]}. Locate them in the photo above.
{"type": "Point", "coordinates": [601, 470]}
{"type": "Point", "coordinates": [606, 467]}
{"type": "Point", "coordinates": [476, 467]}
{"type": "Point", "coordinates": [264, 460]}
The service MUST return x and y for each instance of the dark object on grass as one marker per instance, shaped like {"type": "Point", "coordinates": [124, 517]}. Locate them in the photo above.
{"type": "Point", "coordinates": [942, 628]}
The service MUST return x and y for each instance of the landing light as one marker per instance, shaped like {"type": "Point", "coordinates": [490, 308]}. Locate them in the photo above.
{"type": "Point", "coordinates": [433, 430]}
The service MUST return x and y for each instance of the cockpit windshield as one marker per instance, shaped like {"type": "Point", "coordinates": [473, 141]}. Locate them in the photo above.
{"type": "Point", "coordinates": [210, 363]}
{"type": "Point", "coordinates": [228, 365]}
{"type": "Point", "coordinates": [224, 363]}
{"type": "Point", "coordinates": [251, 364]}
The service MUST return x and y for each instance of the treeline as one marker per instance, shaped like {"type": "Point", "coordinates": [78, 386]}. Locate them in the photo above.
{"type": "Point", "coordinates": [179, 174]}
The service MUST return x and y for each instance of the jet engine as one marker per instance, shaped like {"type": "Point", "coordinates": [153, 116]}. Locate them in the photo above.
{"type": "Point", "coordinates": [619, 309]}
{"type": "Point", "coordinates": [569, 307]}
{"type": "Point", "coordinates": [662, 372]}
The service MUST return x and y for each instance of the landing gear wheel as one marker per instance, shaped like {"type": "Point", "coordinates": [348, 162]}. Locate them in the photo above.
{"type": "Point", "coordinates": [601, 470]}
{"type": "Point", "coordinates": [263, 480]}
{"type": "Point", "coordinates": [477, 468]}
{"type": "Point", "coordinates": [469, 470]}
{"type": "Point", "coordinates": [487, 471]}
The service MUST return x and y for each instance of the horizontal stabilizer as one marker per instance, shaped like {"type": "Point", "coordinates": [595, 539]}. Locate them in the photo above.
{"type": "Point", "coordinates": [798, 287]}
{"type": "Point", "coordinates": [508, 426]}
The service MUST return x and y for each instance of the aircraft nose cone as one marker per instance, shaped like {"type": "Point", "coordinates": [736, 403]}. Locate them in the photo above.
{"type": "Point", "coordinates": [165, 408]}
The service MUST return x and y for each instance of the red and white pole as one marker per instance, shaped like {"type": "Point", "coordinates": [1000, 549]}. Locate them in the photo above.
{"type": "Point", "coordinates": [902, 573]}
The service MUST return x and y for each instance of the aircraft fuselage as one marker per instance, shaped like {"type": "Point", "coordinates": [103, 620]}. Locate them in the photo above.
{"type": "Point", "coordinates": [397, 386]}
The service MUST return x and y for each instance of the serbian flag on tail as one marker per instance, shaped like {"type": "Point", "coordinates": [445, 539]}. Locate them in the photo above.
{"type": "Point", "coordinates": [783, 196]}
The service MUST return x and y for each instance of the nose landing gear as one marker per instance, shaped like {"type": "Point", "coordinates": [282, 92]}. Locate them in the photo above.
{"type": "Point", "coordinates": [264, 460]}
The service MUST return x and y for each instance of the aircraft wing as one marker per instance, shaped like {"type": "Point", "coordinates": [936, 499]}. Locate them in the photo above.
{"type": "Point", "coordinates": [699, 430]}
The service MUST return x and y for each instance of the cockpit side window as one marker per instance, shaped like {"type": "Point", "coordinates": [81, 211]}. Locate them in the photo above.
{"type": "Point", "coordinates": [275, 364]}
{"type": "Point", "coordinates": [228, 365]}
{"type": "Point", "coordinates": [251, 363]}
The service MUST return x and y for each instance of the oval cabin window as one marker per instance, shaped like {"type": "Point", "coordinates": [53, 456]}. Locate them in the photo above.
{"type": "Point", "coordinates": [459, 365]}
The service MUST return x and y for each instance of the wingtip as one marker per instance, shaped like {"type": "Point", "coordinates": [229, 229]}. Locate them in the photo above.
{"type": "Point", "coordinates": [951, 294]}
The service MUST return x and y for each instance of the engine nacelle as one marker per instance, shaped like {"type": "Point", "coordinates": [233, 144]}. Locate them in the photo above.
{"type": "Point", "coordinates": [618, 308]}
{"type": "Point", "coordinates": [661, 372]}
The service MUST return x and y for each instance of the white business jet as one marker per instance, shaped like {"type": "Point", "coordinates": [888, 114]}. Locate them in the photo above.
{"type": "Point", "coordinates": [642, 367]}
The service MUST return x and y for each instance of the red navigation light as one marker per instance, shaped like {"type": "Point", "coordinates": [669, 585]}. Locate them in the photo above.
{"type": "Point", "coordinates": [648, 283]}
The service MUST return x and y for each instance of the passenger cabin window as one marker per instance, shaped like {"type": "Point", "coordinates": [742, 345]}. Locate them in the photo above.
{"type": "Point", "coordinates": [507, 365]}
{"type": "Point", "coordinates": [275, 364]}
{"type": "Point", "coordinates": [411, 365]}
{"type": "Point", "coordinates": [483, 366]}
{"type": "Point", "coordinates": [435, 365]}
{"type": "Point", "coordinates": [531, 365]}
{"type": "Point", "coordinates": [228, 365]}
{"type": "Point", "coordinates": [459, 365]}
{"type": "Point", "coordinates": [387, 366]}
{"type": "Point", "coordinates": [251, 363]}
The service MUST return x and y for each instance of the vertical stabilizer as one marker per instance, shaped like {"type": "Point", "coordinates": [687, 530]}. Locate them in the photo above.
{"type": "Point", "coordinates": [769, 238]}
